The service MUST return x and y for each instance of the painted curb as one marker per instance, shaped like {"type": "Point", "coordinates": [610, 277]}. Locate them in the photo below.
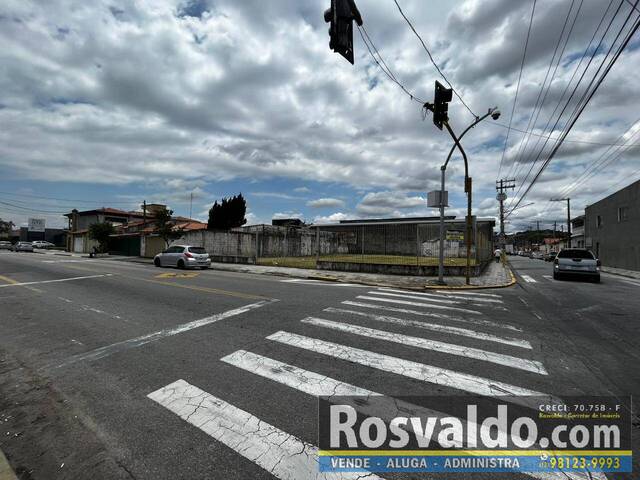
{"type": "Point", "coordinates": [512, 282]}
{"type": "Point", "coordinates": [6, 472]}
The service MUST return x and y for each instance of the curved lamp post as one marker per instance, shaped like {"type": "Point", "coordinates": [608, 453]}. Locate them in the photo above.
{"type": "Point", "coordinates": [495, 114]}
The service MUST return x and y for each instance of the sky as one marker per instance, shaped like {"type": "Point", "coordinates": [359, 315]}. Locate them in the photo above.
{"type": "Point", "coordinates": [182, 102]}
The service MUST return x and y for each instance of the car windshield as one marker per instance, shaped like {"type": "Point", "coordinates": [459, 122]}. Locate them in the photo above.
{"type": "Point", "coordinates": [197, 250]}
{"type": "Point", "coordinates": [576, 254]}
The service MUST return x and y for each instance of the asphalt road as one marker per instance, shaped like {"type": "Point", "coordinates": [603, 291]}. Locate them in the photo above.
{"type": "Point", "coordinates": [119, 370]}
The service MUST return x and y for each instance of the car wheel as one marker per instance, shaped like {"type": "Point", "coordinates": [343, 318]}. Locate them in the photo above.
{"type": "Point", "coordinates": [596, 279]}
{"type": "Point", "coordinates": [156, 262]}
{"type": "Point", "coordinates": [181, 264]}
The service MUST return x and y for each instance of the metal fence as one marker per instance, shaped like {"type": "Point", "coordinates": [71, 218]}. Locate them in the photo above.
{"type": "Point", "coordinates": [409, 244]}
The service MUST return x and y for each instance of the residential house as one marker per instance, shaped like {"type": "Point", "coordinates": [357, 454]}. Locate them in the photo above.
{"type": "Point", "coordinates": [577, 232]}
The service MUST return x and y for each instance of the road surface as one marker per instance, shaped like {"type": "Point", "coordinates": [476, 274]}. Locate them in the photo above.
{"type": "Point", "coordinates": [121, 370]}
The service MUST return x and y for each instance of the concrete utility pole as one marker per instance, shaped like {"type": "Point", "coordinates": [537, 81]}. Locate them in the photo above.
{"type": "Point", "coordinates": [568, 200]}
{"type": "Point", "coordinates": [501, 186]}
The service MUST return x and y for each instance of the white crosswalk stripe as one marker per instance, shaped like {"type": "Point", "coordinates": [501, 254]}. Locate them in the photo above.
{"type": "Point", "coordinates": [529, 279]}
{"type": "Point", "coordinates": [418, 371]}
{"type": "Point", "coordinates": [444, 296]}
{"type": "Point", "coordinates": [437, 299]}
{"type": "Point", "coordinates": [435, 327]}
{"type": "Point", "coordinates": [424, 343]}
{"type": "Point", "coordinates": [472, 321]}
{"type": "Point", "coordinates": [419, 304]}
{"type": "Point", "coordinates": [276, 451]}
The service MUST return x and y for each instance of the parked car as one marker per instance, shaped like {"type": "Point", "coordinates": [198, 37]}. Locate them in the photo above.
{"type": "Point", "coordinates": [578, 262]}
{"type": "Point", "coordinates": [23, 247]}
{"type": "Point", "coordinates": [42, 244]}
{"type": "Point", "coordinates": [550, 257]}
{"type": "Point", "coordinates": [537, 255]}
{"type": "Point", "coordinates": [4, 245]}
{"type": "Point", "coordinates": [183, 256]}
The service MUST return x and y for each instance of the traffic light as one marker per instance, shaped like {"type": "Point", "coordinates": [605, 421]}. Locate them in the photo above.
{"type": "Point", "coordinates": [441, 101]}
{"type": "Point", "coordinates": [341, 15]}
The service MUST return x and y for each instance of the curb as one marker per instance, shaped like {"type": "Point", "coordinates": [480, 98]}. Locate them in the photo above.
{"type": "Point", "coordinates": [512, 282]}
{"type": "Point", "coordinates": [6, 472]}
{"type": "Point", "coordinates": [619, 274]}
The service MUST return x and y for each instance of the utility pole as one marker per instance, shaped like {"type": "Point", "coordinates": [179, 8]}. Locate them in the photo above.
{"type": "Point", "coordinates": [190, 204]}
{"type": "Point", "coordinates": [501, 186]}
{"type": "Point", "coordinates": [144, 214]}
{"type": "Point", "coordinates": [568, 200]}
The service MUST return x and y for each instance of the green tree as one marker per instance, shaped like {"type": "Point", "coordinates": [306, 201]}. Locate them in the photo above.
{"type": "Point", "coordinates": [100, 233]}
{"type": "Point", "coordinates": [6, 227]}
{"type": "Point", "coordinates": [228, 214]}
{"type": "Point", "coordinates": [165, 226]}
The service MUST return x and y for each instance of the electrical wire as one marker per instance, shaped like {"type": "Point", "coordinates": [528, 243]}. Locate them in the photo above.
{"type": "Point", "coordinates": [621, 48]}
{"type": "Point", "coordinates": [424, 45]}
{"type": "Point", "coordinates": [30, 209]}
{"type": "Point", "coordinates": [515, 99]}
{"type": "Point", "coordinates": [97, 202]}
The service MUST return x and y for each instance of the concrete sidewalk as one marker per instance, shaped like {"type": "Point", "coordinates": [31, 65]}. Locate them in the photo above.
{"type": "Point", "coordinates": [621, 272]}
{"type": "Point", "coordinates": [496, 275]}
{"type": "Point", "coordinates": [6, 472]}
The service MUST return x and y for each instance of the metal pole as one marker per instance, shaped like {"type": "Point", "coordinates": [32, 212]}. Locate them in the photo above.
{"type": "Point", "coordinates": [441, 247]}
{"type": "Point", "coordinates": [569, 222]}
{"type": "Point", "coordinates": [467, 189]}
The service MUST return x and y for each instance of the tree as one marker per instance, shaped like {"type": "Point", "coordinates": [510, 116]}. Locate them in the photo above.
{"type": "Point", "coordinates": [100, 232]}
{"type": "Point", "coordinates": [228, 214]}
{"type": "Point", "coordinates": [165, 226]}
{"type": "Point", "coordinates": [6, 227]}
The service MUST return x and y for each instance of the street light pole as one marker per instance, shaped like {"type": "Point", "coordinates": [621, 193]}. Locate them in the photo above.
{"type": "Point", "coordinates": [495, 114]}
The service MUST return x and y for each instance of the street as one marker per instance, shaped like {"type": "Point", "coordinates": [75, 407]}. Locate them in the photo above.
{"type": "Point", "coordinates": [88, 346]}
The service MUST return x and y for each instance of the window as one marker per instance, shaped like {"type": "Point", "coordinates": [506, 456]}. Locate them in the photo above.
{"type": "Point", "coordinates": [598, 221]}
{"type": "Point", "coordinates": [623, 214]}
{"type": "Point", "coordinates": [199, 250]}
{"type": "Point", "coordinates": [570, 253]}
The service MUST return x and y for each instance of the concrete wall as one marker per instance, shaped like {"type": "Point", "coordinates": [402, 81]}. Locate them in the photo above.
{"type": "Point", "coordinates": [221, 243]}
{"type": "Point", "coordinates": [616, 242]}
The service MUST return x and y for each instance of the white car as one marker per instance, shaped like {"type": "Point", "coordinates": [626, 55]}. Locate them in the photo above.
{"type": "Point", "coordinates": [42, 244]}
{"type": "Point", "coordinates": [183, 256]}
{"type": "Point", "coordinates": [23, 247]}
{"type": "Point", "coordinates": [577, 262]}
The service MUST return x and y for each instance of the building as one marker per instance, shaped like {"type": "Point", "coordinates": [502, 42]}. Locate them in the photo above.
{"type": "Point", "coordinates": [577, 232]}
{"type": "Point", "coordinates": [612, 228]}
{"type": "Point", "coordinates": [135, 232]}
{"type": "Point", "coordinates": [57, 236]}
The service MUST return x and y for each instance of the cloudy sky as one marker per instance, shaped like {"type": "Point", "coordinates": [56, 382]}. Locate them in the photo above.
{"type": "Point", "coordinates": [108, 103]}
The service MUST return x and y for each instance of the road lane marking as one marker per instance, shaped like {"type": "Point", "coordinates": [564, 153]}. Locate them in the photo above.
{"type": "Point", "coordinates": [10, 281]}
{"type": "Point", "coordinates": [310, 281]}
{"type": "Point", "coordinates": [464, 332]}
{"type": "Point", "coordinates": [177, 275]}
{"type": "Point", "coordinates": [472, 294]}
{"type": "Point", "coordinates": [473, 321]}
{"type": "Point", "coordinates": [438, 299]}
{"type": "Point", "coordinates": [431, 295]}
{"type": "Point", "coordinates": [292, 376]}
{"type": "Point", "coordinates": [427, 344]}
{"type": "Point", "coordinates": [22, 284]}
{"type": "Point", "coordinates": [279, 453]}
{"type": "Point", "coordinates": [246, 296]}
{"type": "Point", "coordinates": [528, 278]}
{"type": "Point", "coordinates": [107, 350]}
{"type": "Point", "coordinates": [418, 304]}
{"type": "Point", "coordinates": [418, 371]}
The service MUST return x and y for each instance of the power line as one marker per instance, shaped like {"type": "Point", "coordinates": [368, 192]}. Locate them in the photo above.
{"type": "Point", "coordinates": [538, 156]}
{"type": "Point", "coordinates": [97, 202]}
{"type": "Point", "coordinates": [14, 206]}
{"type": "Point", "coordinates": [580, 108]}
{"type": "Point", "coordinates": [387, 71]}
{"type": "Point", "coordinates": [515, 99]}
{"type": "Point", "coordinates": [432, 60]}
{"type": "Point", "coordinates": [537, 108]}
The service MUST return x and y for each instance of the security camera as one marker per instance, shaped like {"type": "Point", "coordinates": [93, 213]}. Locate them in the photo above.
{"type": "Point", "coordinates": [495, 114]}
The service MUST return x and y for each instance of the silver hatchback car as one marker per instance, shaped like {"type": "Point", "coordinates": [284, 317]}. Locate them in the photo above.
{"type": "Point", "coordinates": [183, 256]}
{"type": "Point", "coordinates": [578, 262]}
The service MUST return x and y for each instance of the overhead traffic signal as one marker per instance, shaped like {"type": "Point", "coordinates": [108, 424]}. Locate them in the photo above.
{"type": "Point", "coordinates": [340, 16]}
{"type": "Point", "coordinates": [441, 101]}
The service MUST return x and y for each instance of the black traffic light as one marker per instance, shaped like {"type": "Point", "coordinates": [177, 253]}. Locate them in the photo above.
{"type": "Point", "coordinates": [341, 15]}
{"type": "Point", "coordinates": [441, 101]}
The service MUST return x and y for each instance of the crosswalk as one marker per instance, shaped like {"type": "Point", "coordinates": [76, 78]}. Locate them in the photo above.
{"type": "Point", "coordinates": [455, 331]}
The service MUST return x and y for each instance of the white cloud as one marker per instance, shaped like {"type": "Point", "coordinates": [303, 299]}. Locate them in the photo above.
{"type": "Point", "coordinates": [326, 203]}
{"type": "Point", "coordinates": [333, 218]}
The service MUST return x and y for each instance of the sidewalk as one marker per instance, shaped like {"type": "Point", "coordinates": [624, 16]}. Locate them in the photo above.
{"type": "Point", "coordinates": [621, 272]}
{"type": "Point", "coordinates": [496, 275]}
{"type": "Point", "coordinates": [6, 472]}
